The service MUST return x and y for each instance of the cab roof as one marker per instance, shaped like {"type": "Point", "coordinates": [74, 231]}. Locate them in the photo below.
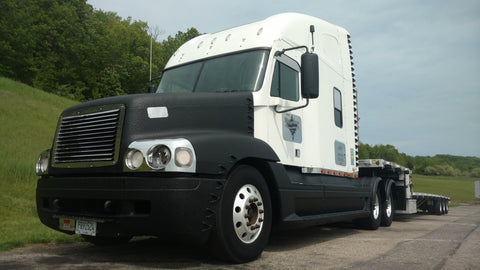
{"type": "Point", "coordinates": [293, 27]}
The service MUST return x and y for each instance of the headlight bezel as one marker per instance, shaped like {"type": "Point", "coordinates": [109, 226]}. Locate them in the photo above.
{"type": "Point", "coordinates": [175, 147]}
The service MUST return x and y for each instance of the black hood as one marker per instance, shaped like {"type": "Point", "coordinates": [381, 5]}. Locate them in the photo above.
{"type": "Point", "coordinates": [198, 117]}
{"type": "Point", "coordinates": [187, 113]}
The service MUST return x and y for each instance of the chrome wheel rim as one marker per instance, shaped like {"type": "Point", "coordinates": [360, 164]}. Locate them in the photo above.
{"type": "Point", "coordinates": [248, 213]}
{"type": "Point", "coordinates": [376, 208]}
{"type": "Point", "coordinates": [388, 210]}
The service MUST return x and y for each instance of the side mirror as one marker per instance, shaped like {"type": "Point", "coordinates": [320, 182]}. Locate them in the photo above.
{"type": "Point", "coordinates": [151, 88]}
{"type": "Point", "coordinates": [309, 70]}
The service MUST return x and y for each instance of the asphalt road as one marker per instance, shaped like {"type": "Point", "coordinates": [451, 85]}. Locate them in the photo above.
{"type": "Point", "coordinates": [412, 242]}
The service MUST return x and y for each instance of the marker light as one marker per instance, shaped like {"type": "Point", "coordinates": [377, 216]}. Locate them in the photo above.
{"type": "Point", "coordinates": [134, 159]}
{"type": "Point", "coordinates": [158, 157]}
{"type": "Point", "coordinates": [183, 157]}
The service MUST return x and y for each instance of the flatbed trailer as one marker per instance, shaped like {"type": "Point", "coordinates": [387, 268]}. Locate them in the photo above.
{"type": "Point", "coordinates": [405, 200]}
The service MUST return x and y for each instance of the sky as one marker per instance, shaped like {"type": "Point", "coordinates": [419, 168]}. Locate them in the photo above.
{"type": "Point", "coordinates": [417, 63]}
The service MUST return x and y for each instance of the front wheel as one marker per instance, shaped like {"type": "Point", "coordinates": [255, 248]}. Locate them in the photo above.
{"type": "Point", "coordinates": [244, 217]}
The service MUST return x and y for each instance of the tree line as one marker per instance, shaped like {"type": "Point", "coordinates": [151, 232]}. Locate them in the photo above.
{"type": "Point", "coordinates": [68, 48]}
{"type": "Point", "coordinates": [447, 165]}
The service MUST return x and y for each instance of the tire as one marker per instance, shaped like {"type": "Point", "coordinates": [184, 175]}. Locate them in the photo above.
{"type": "Point", "coordinates": [372, 222]}
{"type": "Point", "coordinates": [438, 208]}
{"type": "Point", "coordinates": [387, 209]}
{"type": "Point", "coordinates": [244, 218]}
{"type": "Point", "coordinates": [106, 241]}
{"type": "Point", "coordinates": [446, 207]}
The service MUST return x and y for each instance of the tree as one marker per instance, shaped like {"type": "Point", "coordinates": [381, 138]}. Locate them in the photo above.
{"type": "Point", "coordinates": [364, 151]}
{"type": "Point", "coordinates": [70, 49]}
{"type": "Point", "coordinates": [475, 172]}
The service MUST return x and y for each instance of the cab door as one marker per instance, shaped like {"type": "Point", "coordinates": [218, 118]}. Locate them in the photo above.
{"type": "Point", "coordinates": [288, 133]}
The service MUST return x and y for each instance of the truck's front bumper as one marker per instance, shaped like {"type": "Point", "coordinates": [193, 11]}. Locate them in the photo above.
{"type": "Point", "coordinates": [132, 205]}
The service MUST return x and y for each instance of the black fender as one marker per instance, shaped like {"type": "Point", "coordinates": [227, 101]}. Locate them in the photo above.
{"type": "Point", "coordinates": [388, 185]}
{"type": "Point", "coordinates": [385, 184]}
{"type": "Point", "coordinates": [376, 184]}
{"type": "Point", "coordinates": [217, 153]}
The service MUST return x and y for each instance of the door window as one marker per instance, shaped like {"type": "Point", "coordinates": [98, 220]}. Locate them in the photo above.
{"type": "Point", "coordinates": [285, 81]}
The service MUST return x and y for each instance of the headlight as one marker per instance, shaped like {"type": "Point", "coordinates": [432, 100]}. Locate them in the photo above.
{"type": "Point", "coordinates": [134, 159]}
{"type": "Point", "coordinates": [162, 155]}
{"type": "Point", "coordinates": [42, 163]}
{"type": "Point", "coordinates": [158, 157]}
{"type": "Point", "coordinates": [183, 157]}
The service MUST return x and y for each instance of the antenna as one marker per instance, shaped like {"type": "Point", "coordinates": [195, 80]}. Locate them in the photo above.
{"type": "Point", "coordinates": [312, 30]}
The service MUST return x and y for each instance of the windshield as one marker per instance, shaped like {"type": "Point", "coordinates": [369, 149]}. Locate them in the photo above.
{"type": "Point", "coordinates": [234, 72]}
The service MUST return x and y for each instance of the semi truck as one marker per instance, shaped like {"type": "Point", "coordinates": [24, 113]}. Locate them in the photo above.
{"type": "Point", "coordinates": [251, 128]}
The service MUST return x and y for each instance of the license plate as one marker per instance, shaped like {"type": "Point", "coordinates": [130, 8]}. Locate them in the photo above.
{"type": "Point", "coordinates": [86, 227]}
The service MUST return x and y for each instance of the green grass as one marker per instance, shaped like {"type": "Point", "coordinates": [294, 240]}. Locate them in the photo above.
{"type": "Point", "coordinates": [459, 189]}
{"type": "Point", "coordinates": [28, 118]}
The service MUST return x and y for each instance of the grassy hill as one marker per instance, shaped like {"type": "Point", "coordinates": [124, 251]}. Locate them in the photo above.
{"type": "Point", "coordinates": [28, 119]}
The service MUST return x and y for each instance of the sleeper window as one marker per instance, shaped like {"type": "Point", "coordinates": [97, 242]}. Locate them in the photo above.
{"type": "Point", "coordinates": [337, 107]}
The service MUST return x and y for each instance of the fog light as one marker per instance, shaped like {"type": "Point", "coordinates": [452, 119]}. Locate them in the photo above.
{"type": "Point", "coordinates": [183, 157]}
{"type": "Point", "coordinates": [134, 159]}
{"type": "Point", "coordinates": [158, 157]}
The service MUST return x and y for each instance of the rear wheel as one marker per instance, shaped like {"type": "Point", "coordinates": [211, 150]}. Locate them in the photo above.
{"type": "Point", "coordinates": [372, 222]}
{"type": "Point", "coordinates": [387, 209]}
{"type": "Point", "coordinates": [438, 207]}
{"type": "Point", "coordinates": [244, 217]}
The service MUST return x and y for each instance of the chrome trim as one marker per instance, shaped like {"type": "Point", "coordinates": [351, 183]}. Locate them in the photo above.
{"type": "Point", "coordinates": [172, 144]}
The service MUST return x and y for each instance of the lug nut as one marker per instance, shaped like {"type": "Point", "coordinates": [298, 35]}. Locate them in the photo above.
{"type": "Point", "coordinates": [260, 220]}
{"type": "Point", "coordinates": [260, 211]}
{"type": "Point", "coordinates": [259, 203]}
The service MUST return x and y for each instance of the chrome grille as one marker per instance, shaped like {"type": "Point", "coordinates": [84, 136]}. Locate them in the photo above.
{"type": "Point", "coordinates": [89, 138]}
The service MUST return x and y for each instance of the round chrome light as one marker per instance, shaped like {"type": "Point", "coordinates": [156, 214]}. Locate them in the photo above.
{"type": "Point", "coordinates": [158, 157]}
{"type": "Point", "coordinates": [183, 157]}
{"type": "Point", "coordinates": [134, 159]}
